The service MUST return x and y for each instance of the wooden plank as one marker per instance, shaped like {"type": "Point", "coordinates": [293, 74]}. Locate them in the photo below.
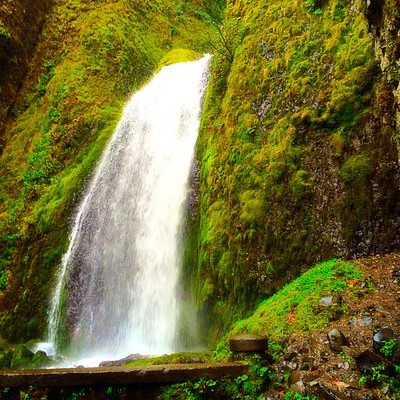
{"type": "Point", "coordinates": [157, 374]}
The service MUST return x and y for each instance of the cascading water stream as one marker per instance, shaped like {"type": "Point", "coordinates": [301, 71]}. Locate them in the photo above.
{"type": "Point", "coordinates": [117, 286]}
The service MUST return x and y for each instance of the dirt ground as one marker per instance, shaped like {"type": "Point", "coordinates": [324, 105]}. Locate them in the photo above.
{"type": "Point", "coordinates": [310, 366]}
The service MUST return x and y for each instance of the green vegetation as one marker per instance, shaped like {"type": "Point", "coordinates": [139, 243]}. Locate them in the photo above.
{"type": "Point", "coordinates": [297, 396]}
{"type": "Point", "coordinates": [388, 347]}
{"type": "Point", "coordinates": [381, 375]}
{"type": "Point", "coordinates": [175, 358]}
{"type": "Point", "coordinates": [356, 168]}
{"type": "Point", "coordinates": [177, 56]}
{"type": "Point", "coordinates": [248, 387]}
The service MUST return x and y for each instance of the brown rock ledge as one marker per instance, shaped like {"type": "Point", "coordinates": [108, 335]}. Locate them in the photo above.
{"type": "Point", "coordinates": [157, 374]}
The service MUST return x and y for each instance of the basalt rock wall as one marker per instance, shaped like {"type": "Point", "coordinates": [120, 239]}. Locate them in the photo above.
{"type": "Point", "coordinates": [299, 147]}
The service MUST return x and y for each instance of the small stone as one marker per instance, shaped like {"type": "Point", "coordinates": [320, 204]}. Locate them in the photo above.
{"type": "Point", "coordinates": [326, 301]}
{"type": "Point", "coordinates": [361, 321]}
{"type": "Point", "coordinates": [336, 340]}
{"type": "Point", "coordinates": [343, 365]}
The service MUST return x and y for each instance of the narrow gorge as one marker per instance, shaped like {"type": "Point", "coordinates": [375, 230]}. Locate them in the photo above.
{"type": "Point", "coordinates": [292, 177]}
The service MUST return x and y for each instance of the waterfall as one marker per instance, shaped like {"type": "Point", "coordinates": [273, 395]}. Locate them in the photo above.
{"type": "Point", "coordinates": [116, 290]}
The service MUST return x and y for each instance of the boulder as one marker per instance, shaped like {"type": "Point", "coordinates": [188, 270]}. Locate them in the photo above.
{"type": "Point", "coordinates": [248, 342]}
{"type": "Point", "coordinates": [122, 361]}
{"type": "Point", "coordinates": [40, 360]}
{"type": "Point", "coordinates": [367, 360]}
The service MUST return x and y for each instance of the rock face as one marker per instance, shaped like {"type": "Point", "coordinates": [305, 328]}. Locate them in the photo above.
{"type": "Point", "coordinates": [384, 23]}
{"type": "Point", "coordinates": [20, 25]}
{"type": "Point", "coordinates": [293, 173]}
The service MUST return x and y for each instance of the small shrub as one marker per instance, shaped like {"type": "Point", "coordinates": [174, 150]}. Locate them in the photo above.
{"type": "Point", "coordinates": [388, 347]}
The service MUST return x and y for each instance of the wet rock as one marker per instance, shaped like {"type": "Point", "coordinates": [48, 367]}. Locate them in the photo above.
{"type": "Point", "coordinates": [381, 337]}
{"type": "Point", "coordinates": [40, 360]}
{"type": "Point", "coordinates": [122, 361]}
{"type": "Point", "coordinates": [248, 342]}
{"type": "Point", "coordinates": [336, 340]}
{"type": "Point", "coordinates": [21, 358]}
{"type": "Point", "coordinates": [22, 351]}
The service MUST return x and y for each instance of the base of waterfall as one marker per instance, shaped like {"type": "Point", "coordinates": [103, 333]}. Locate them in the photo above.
{"type": "Point", "coordinates": [98, 360]}
{"type": "Point", "coordinates": [53, 360]}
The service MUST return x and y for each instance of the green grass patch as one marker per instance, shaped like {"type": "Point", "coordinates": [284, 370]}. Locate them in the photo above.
{"type": "Point", "coordinates": [296, 309]}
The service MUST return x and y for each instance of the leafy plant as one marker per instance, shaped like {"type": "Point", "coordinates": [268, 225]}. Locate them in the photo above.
{"type": "Point", "coordinates": [345, 357]}
{"type": "Point", "coordinates": [247, 386]}
{"type": "Point", "coordinates": [388, 347]}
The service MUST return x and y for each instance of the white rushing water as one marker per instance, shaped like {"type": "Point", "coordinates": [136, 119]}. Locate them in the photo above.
{"type": "Point", "coordinates": [119, 276]}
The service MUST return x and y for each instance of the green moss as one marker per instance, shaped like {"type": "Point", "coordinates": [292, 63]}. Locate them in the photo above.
{"type": "Point", "coordinates": [356, 168]}
{"type": "Point", "coordinates": [175, 358]}
{"type": "Point", "coordinates": [177, 56]}
{"type": "Point", "coordinates": [295, 308]}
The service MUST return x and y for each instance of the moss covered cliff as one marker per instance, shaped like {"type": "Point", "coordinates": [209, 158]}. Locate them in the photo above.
{"type": "Point", "coordinates": [298, 147]}
{"type": "Point", "coordinates": [297, 154]}
{"type": "Point", "coordinates": [21, 22]}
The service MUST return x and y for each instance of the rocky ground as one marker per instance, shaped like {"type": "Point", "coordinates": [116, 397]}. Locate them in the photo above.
{"type": "Point", "coordinates": [348, 365]}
